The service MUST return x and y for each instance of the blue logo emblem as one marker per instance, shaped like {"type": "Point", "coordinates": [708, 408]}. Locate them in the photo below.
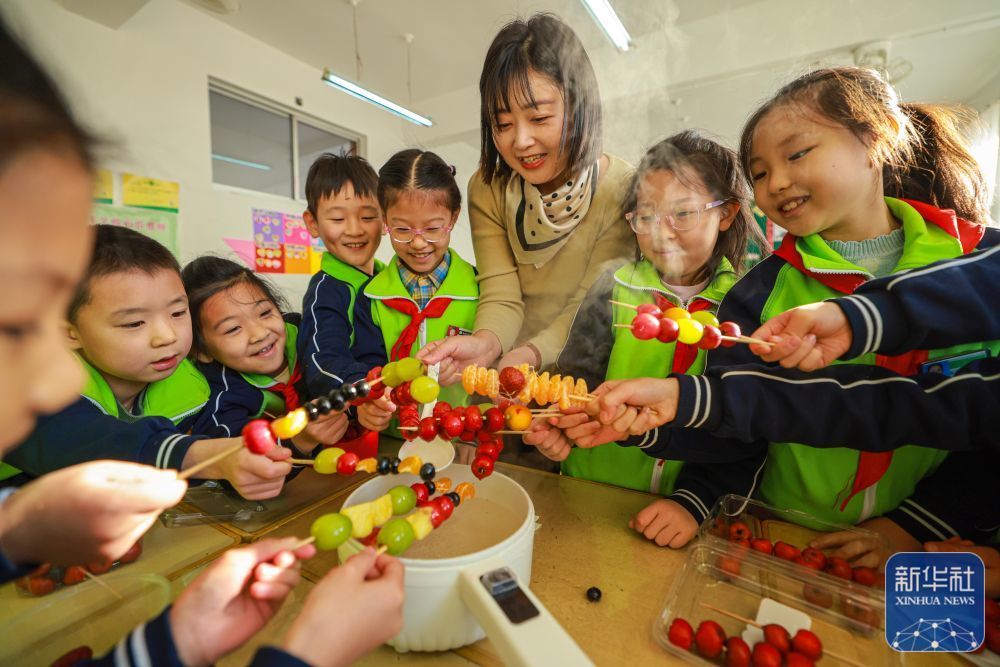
{"type": "Point", "coordinates": [935, 602]}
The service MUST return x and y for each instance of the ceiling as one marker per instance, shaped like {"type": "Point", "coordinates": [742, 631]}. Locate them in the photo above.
{"type": "Point", "coordinates": [696, 63]}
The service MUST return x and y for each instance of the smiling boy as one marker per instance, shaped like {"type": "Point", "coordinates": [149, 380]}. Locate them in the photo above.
{"type": "Point", "coordinates": [344, 213]}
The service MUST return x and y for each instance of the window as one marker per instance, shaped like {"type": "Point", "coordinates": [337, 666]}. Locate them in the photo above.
{"type": "Point", "coordinates": [262, 146]}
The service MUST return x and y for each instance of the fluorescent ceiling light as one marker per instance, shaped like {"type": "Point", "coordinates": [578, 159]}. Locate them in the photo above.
{"type": "Point", "coordinates": [368, 96]}
{"type": "Point", "coordinates": [612, 26]}
{"type": "Point", "coordinates": [242, 163]}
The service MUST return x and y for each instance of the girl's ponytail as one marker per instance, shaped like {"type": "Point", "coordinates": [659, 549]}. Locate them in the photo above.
{"type": "Point", "coordinates": [941, 171]}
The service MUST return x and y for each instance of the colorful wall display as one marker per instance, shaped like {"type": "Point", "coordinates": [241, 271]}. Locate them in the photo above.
{"type": "Point", "coordinates": [158, 225]}
{"type": "Point", "coordinates": [282, 243]}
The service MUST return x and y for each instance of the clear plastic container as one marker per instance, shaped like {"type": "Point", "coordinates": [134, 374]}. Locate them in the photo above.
{"type": "Point", "coordinates": [87, 614]}
{"type": "Point", "coordinates": [779, 525]}
{"type": "Point", "coordinates": [721, 581]}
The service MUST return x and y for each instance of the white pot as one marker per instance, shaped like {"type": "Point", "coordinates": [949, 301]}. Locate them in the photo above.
{"type": "Point", "coordinates": [446, 603]}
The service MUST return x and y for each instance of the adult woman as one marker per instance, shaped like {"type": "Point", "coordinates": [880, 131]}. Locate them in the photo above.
{"type": "Point", "coordinates": [545, 204]}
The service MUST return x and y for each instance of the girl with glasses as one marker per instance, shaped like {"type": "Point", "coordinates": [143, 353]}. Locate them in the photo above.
{"type": "Point", "coordinates": [427, 292]}
{"type": "Point", "coordinates": [692, 231]}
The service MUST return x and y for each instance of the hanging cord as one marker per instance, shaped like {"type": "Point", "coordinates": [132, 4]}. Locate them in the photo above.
{"type": "Point", "coordinates": [357, 48]}
{"type": "Point", "coordinates": [409, 68]}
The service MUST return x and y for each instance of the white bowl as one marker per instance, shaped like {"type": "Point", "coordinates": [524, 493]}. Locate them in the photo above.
{"type": "Point", "coordinates": [434, 616]}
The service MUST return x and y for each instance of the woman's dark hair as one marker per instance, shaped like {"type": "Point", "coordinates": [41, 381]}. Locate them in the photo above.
{"type": "Point", "coordinates": [33, 113]}
{"type": "Point", "coordinates": [208, 275]}
{"type": "Point", "coordinates": [922, 153]}
{"type": "Point", "coordinates": [416, 170]}
{"type": "Point", "coordinates": [545, 45]}
{"type": "Point", "coordinates": [700, 162]}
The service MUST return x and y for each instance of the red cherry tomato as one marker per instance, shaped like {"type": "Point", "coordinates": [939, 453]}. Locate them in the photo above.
{"type": "Point", "coordinates": [420, 489]}
{"type": "Point", "coordinates": [257, 436]}
{"type": "Point", "coordinates": [444, 505]}
{"type": "Point", "coordinates": [347, 462]}
{"type": "Point", "coordinates": [482, 467]}
{"type": "Point", "coordinates": [648, 309]}
{"type": "Point", "coordinates": [738, 530]}
{"type": "Point", "coordinates": [473, 418]}
{"type": "Point", "coordinates": [441, 408]}
{"type": "Point", "coordinates": [730, 329]}
{"type": "Point", "coordinates": [709, 638]}
{"type": "Point", "coordinates": [490, 451]}
{"type": "Point", "coordinates": [428, 428]}
{"type": "Point", "coordinates": [494, 420]}
{"type": "Point", "coordinates": [681, 633]}
{"type": "Point", "coordinates": [645, 326]}
{"type": "Point", "coordinates": [669, 330]}
{"type": "Point", "coordinates": [711, 338]}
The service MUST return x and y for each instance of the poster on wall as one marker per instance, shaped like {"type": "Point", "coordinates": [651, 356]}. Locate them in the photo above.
{"type": "Point", "coordinates": [281, 243]}
{"type": "Point", "coordinates": [158, 225]}
{"type": "Point", "coordinates": [153, 193]}
{"type": "Point", "coordinates": [104, 187]}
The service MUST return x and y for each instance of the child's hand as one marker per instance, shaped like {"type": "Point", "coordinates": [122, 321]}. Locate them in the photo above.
{"type": "Point", "coordinates": [254, 476]}
{"type": "Point", "coordinates": [808, 337]}
{"type": "Point", "coordinates": [550, 440]}
{"type": "Point", "coordinates": [86, 512]}
{"type": "Point", "coordinates": [990, 556]}
{"type": "Point", "coordinates": [636, 406]}
{"type": "Point", "coordinates": [234, 598]}
{"type": "Point", "coordinates": [376, 415]}
{"type": "Point", "coordinates": [665, 522]}
{"type": "Point", "coordinates": [354, 609]}
{"type": "Point", "coordinates": [868, 552]}
{"type": "Point", "coordinates": [327, 429]}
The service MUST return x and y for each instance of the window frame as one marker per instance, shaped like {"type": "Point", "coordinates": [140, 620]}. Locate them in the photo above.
{"type": "Point", "coordinates": [296, 116]}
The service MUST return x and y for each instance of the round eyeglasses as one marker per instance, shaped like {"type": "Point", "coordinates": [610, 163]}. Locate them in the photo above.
{"type": "Point", "coordinates": [646, 220]}
{"type": "Point", "coordinates": [428, 234]}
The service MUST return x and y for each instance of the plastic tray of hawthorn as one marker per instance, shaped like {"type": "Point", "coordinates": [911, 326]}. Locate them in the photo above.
{"type": "Point", "coordinates": [711, 610]}
{"type": "Point", "coordinates": [785, 534]}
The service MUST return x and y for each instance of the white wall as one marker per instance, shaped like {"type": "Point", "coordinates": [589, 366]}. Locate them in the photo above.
{"type": "Point", "coordinates": [144, 86]}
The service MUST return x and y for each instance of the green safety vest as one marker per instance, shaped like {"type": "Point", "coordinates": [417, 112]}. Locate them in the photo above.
{"type": "Point", "coordinates": [459, 285]}
{"type": "Point", "coordinates": [273, 402]}
{"type": "Point", "coordinates": [177, 396]}
{"type": "Point", "coordinates": [183, 393]}
{"type": "Point", "coordinates": [351, 276]}
{"type": "Point", "coordinates": [630, 467]}
{"type": "Point", "coordinates": [817, 481]}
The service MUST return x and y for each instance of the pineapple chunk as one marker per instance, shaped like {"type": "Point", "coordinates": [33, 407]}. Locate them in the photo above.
{"type": "Point", "coordinates": [382, 509]}
{"type": "Point", "coordinates": [421, 522]}
{"type": "Point", "coordinates": [362, 519]}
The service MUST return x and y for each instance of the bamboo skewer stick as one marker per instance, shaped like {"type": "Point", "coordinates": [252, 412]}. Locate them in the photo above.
{"type": "Point", "coordinates": [750, 621]}
{"type": "Point", "coordinates": [309, 540]}
{"type": "Point", "coordinates": [103, 584]}
{"type": "Point", "coordinates": [301, 462]}
{"type": "Point", "coordinates": [198, 467]}
{"type": "Point", "coordinates": [622, 303]}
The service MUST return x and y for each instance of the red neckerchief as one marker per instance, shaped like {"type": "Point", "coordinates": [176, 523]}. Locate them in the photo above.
{"type": "Point", "coordinates": [684, 354]}
{"type": "Point", "coordinates": [287, 389]}
{"type": "Point", "coordinates": [434, 309]}
{"type": "Point", "coordinates": [872, 466]}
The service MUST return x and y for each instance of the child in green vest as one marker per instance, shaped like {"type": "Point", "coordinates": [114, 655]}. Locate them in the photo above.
{"type": "Point", "coordinates": [245, 344]}
{"type": "Point", "coordinates": [836, 159]}
{"type": "Point", "coordinates": [427, 292]}
{"type": "Point", "coordinates": [686, 208]}
{"type": "Point", "coordinates": [344, 213]}
{"type": "Point", "coordinates": [142, 400]}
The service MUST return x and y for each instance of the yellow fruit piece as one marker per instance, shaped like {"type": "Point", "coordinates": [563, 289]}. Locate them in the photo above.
{"type": "Point", "coordinates": [410, 464]}
{"type": "Point", "coordinates": [326, 460]}
{"type": "Point", "coordinates": [362, 518]}
{"type": "Point", "coordinates": [541, 389]}
{"type": "Point", "coordinates": [493, 383]}
{"type": "Point", "coordinates": [524, 396]}
{"type": "Point", "coordinates": [443, 485]}
{"type": "Point", "coordinates": [421, 522]}
{"type": "Point", "coordinates": [555, 383]}
{"type": "Point", "coordinates": [290, 425]}
{"type": "Point", "coordinates": [382, 509]}
{"type": "Point", "coordinates": [469, 379]}
{"type": "Point", "coordinates": [518, 417]}
{"type": "Point", "coordinates": [367, 465]}
{"type": "Point", "coordinates": [581, 390]}
{"type": "Point", "coordinates": [465, 491]}
{"type": "Point", "coordinates": [706, 318]}
{"type": "Point", "coordinates": [690, 331]}
{"type": "Point", "coordinates": [677, 314]}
